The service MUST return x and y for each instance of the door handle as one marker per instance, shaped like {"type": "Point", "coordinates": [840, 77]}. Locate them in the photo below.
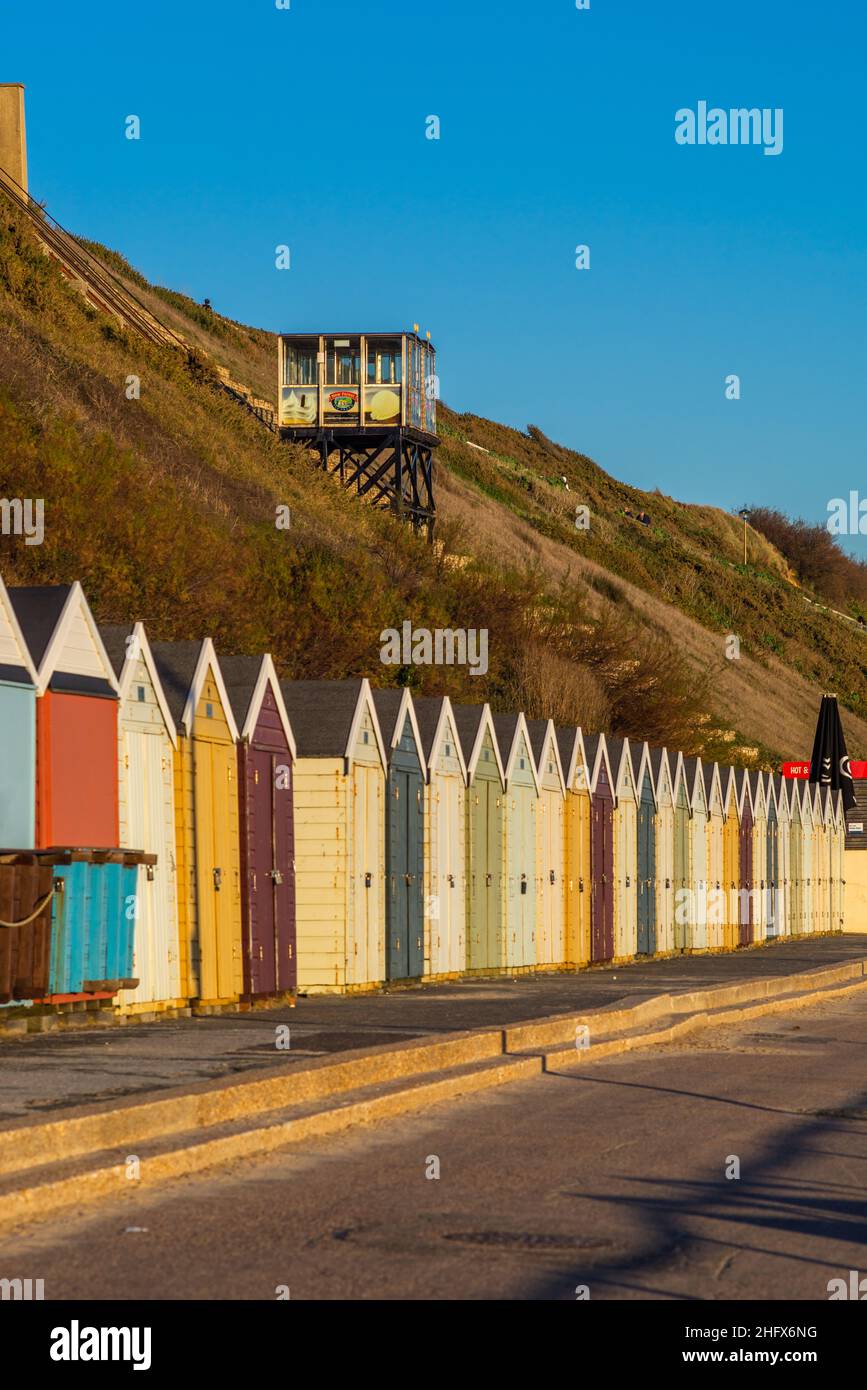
{"type": "Point", "coordinates": [553, 876]}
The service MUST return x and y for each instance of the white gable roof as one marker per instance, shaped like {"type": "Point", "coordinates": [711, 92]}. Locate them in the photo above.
{"type": "Point", "coordinates": [14, 651]}
{"type": "Point", "coordinates": [75, 646]}
{"type": "Point", "coordinates": [140, 647]}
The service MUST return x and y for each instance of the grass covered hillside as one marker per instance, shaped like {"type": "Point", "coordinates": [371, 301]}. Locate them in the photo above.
{"type": "Point", "coordinates": [165, 508]}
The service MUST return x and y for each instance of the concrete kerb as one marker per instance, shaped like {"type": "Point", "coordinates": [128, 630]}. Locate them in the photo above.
{"type": "Point", "coordinates": [110, 1179]}
{"type": "Point", "coordinates": [525, 1037]}
{"type": "Point", "coordinates": [108, 1125]}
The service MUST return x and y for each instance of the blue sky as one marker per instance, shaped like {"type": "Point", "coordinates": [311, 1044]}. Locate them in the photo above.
{"type": "Point", "coordinates": [306, 127]}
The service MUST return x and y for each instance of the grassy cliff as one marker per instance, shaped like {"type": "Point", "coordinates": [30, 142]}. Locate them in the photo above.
{"type": "Point", "coordinates": [165, 508]}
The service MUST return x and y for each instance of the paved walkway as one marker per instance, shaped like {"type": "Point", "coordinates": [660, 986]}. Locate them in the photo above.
{"type": "Point", "coordinates": [45, 1072]}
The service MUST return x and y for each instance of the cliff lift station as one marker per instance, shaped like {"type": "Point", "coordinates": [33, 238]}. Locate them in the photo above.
{"type": "Point", "coordinates": [366, 402]}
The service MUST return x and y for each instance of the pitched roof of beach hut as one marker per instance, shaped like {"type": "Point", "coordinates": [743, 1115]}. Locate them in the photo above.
{"type": "Point", "coordinates": [247, 678]}
{"type": "Point", "coordinates": [472, 723]}
{"type": "Point", "coordinates": [325, 716]}
{"type": "Point", "coordinates": [511, 728]}
{"type": "Point", "coordinates": [573, 757]}
{"type": "Point", "coordinates": [63, 639]}
{"type": "Point", "coordinates": [435, 717]}
{"type": "Point", "coordinates": [183, 668]}
{"type": "Point", "coordinates": [545, 750]}
{"type": "Point", "coordinates": [126, 644]}
{"type": "Point", "coordinates": [17, 666]}
{"type": "Point", "coordinates": [596, 748]}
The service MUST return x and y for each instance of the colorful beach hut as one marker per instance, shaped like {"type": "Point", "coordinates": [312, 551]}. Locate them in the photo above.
{"type": "Point", "coordinates": [445, 839]}
{"type": "Point", "coordinates": [340, 776]}
{"type": "Point", "coordinates": [758, 786]}
{"type": "Point", "coordinates": [808, 844]}
{"type": "Point", "coordinates": [76, 718]}
{"type": "Point", "coordinates": [682, 851]}
{"type": "Point", "coordinates": [485, 800]}
{"type": "Point", "coordinates": [838, 873]}
{"type": "Point", "coordinates": [743, 893]}
{"type": "Point", "coordinates": [795, 913]}
{"type": "Point", "coordinates": [646, 850]}
{"type": "Point", "coordinates": [602, 943]}
{"type": "Point", "coordinates": [784, 847]}
{"type": "Point", "coordinates": [578, 833]}
{"type": "Point", "coordinates": [404, 835]}
{"type": "Point", "coordinates": [821, 915]}
{"type": "Point", "coordinates": [266, 825]}
{"type": "Point", "coordinates": [519, 829]}
{"type": "Point", "coordinates": [664, 872]}
{"type": "Point", "coordinates": [146, 747]}
{"type": "Point", "coordinates": [729, 937]}
{"type": "Point", "coordinates": [699, 855]}
{"type": "Point", "coordinates": [206, 822]}
{"type": "Point", "coordinates": [550, 844]}
{"type": "Point", "coordinates": [625, 849]}
{"type": "Point", "coordinates": [18, 682]}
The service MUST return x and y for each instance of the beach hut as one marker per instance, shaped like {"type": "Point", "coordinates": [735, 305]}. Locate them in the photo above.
{"type": "Point", "coordinates": [340, 775]}
{"type": "Point", "coordinates": [838, 849]}
{"type": "Point", "coordinates": [773, 871]}
{"type": "Point", "coordinates": [76, 718]}
{"type": "Point", "coordinates": [784, 856]}
{"type": "Point", "coordinates": [729, 915]}
{"type": "Point", "coordinates": [742, 894]}
{"type": "Point", "coordinates": [625, 850]}
{"type": "Point", "coordinates": [206, 822]}
{"type": "Point", "coordinates": [18, 681]}
{"type": "Point", "coordinates": [821, 914]}
{"type": "Point", "coordinates": [646, 837]}
{"type": "Point", "coordinates": [696, 925]}
{"type": "Point", "coordinates": [404, 835]}
{"type": "Point", "coordinates": [795, 905]}
{"type": "Point", "coordinates": [550, 844]}
{"type": "Point", "coordinates": [146, 745]}
{"type": "Point", "coordinates": [485, 803]}
{"type": "Point", "coordinates": [758, 791]}
{"type": "Point", "coordinates": [445, 839]}
{"type": "Point", "coordinates": [602, 942]}
{"type": "Point", "coordinates": [720, 857]}
{"type": "Point", "coordinates": [664, 870]}
{"type": "Point", "coordinates": [266, 825]}
{"type": "Point", "coordinates": [519, 857]}
{"type": "Point", "coordinates": [808, 857]}
{"type": "Point", "coordinates": [682, 852]}
{"type": "Point", "coordinates": [578, 833]}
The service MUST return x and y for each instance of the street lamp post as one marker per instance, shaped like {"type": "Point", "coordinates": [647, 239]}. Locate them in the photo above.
{"type": "Point", "coordinates": [745, 514]}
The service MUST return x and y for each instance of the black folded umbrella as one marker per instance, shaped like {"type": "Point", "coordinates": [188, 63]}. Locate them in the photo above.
{"type": "Point", "coordinates": [829, 765]}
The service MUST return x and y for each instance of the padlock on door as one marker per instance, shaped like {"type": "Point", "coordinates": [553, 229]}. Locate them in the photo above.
{"type": "Point", "coordinates": [218, 880]}
{"type": "Point", "coordinates": [368, 879]}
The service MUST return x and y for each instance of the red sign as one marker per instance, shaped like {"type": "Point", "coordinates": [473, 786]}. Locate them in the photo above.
{"type": "Point", "coordinates": [858, 770]}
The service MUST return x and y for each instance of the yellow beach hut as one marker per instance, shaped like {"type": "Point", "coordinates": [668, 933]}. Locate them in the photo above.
{"type": "Point", "coordinates": [206, 822]}
{"type": "Point", "coordinates": [578, 829]}
{"type": "Point", "coordinates": [340, 777]}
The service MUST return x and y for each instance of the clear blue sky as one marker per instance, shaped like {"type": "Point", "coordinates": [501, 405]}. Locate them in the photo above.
{"type": "Point", "coordinates": [307, 127]}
